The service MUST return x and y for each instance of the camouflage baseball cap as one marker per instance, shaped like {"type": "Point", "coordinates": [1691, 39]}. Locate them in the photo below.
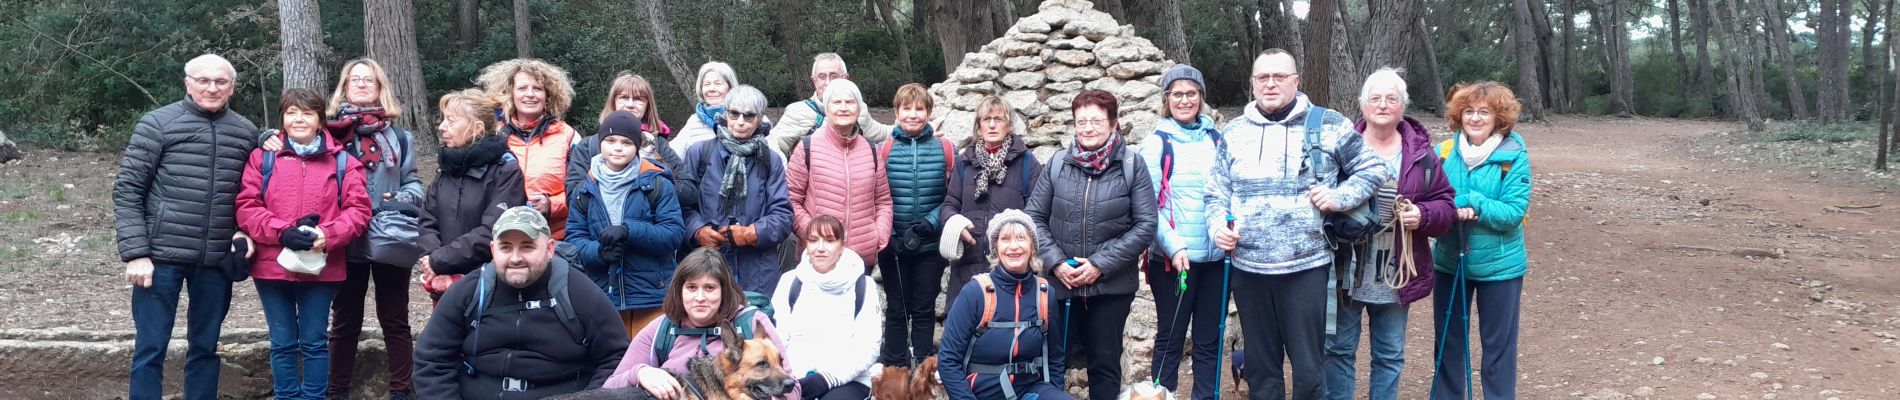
{"type": "Point", "coordinates": [524, 219]}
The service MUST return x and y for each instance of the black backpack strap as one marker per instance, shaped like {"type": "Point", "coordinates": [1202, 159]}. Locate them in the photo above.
{"type": "Point", "coordinates": [791, 299]}
{"type": "Point", "coordinates": [858, 306]}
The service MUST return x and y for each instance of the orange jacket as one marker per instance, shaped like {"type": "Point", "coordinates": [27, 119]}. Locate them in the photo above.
{"type": "Point", "coordinates": [543, 161]}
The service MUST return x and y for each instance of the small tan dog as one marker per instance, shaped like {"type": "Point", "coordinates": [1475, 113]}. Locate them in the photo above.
{"type": "Point", "coordinates": [899, 383]}
{"type": "Point", "coordinates": [1146, 391]}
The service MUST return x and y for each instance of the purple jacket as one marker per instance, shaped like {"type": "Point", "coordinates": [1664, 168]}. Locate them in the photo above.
{"type": "Point", "coordinates": [1422, 180]}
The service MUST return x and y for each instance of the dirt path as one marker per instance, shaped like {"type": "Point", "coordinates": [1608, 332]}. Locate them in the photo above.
{"type": "Point", "coordinates": [1640, 251]}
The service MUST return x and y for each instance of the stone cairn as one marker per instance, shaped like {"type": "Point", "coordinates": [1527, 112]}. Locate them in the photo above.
{"type": "Point", "coordinates": [1043, 62]}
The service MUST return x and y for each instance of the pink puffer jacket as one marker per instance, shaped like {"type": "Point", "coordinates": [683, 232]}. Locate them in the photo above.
{"type": "Point", "coordinates": [848, 183]}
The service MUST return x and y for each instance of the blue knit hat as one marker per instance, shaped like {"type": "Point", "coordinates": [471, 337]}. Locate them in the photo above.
{"type": "Point", "coordinates": [1184, 71]}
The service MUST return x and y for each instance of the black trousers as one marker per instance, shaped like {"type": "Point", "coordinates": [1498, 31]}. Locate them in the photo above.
{"type": "Point", "coordinates": [911, 285]}
{"type": "Point", "coordinates": [1095, 334]}
{"type": "Point", "coordinates": [1283, 320]}
{"type": "Point", "coordinates": [392, 312]}
{"type": "Point", "coordinates": [1201, 314]}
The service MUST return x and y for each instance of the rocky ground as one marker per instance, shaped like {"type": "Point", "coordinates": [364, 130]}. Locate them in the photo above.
{"type": "Point", "coordinates": [1665, 264]}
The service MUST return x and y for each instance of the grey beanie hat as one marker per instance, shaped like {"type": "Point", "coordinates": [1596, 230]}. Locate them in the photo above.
{"type": "Point", "coordinates": [1184, 71]}
{"type": "Point", "coordinates": [1007, 217]}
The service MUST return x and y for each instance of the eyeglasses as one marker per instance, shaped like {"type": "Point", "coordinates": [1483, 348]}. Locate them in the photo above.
{"type": "Point", "coordinates": [1275, 78]}
{"type": "Point", "coordinates": [213, 82]}
{"type": "Point", "coordinates": [1478, 113]}
{"type": "Point", "coordinates": [1384, 101]}
{"type": "Point", "coordinates": [1084, 123]}
{"type": "Point", "coordinates": [830, 76]}
{"type": "Point", "coordinates": [1184, 95]}
{"type": "Point", "coordinates": [746, 116]}
{"type": "Point", "coordinates": [365, 80]}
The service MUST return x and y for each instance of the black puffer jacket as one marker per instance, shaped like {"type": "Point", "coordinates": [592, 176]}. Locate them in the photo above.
{"type": "Point", "coordinates": [175, 199]}
{"type": "Point", "coordinates": [476, 184]}
{"type": "Point", "coordinates": [1106, 218]}
{"type": "Point", "coordinates": [1012, 194]}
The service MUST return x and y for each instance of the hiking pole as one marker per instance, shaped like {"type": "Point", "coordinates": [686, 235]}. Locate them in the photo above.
{"type": "Point", "coordinates": [1067, 304]}
{"type": "Point", "coordinates": [1458, 302]}
{"type": "Point", "coordinates": [1226, 274]}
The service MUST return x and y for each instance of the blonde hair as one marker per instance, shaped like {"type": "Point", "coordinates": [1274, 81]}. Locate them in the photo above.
{"type": "Point", "coordinates": [387, 99]}
{"type": "Point", "coordinates": [1035, 263]}
{"type": "Point", "coordinates": [498, 79]}
{"type": "Point", "coordinates": [637, 86]}
{"type": "Point", "coordinates": [473, 103]}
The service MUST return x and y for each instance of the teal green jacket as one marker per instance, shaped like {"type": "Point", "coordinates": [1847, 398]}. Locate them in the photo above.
{"type": "Point", "coordinates": [1499, 189]}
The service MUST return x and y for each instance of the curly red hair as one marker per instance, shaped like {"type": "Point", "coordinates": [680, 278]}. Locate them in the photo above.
{"type": "Point", "coordinates": [1465, 96]}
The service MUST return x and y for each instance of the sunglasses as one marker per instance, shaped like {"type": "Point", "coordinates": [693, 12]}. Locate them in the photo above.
{"type": "Point", "coordinates": [748, 116]}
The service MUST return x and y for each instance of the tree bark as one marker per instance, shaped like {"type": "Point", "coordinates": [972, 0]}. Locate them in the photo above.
{"type": "Point", "coordinates": [1869, 60]}
{"type": "Point", "coordinates": [1729, 38]}
{"type": "Point", "coordinates": [389, 37]}
{"type": "Point", "coordinates": [1437, 91]}
{"type": "Point", "coordinates": [1777, 27]}
{"type": "Point", "coordinates": [963, 27]}
{"type": "Point", "coordinates": [1832, 82]}
{"type": "Point", "coordinates": [1244, 18]}
{"type": "Point", "coordinates": [1675, 46]}
{"type": "Point", "coordinates": [1320, 17]}
{"type": "Point", "coordinates": [524, 48]}
{"type": "Point", "coordinates": [669, 54]}
{"type": "Point", "coordinates": [1114, 8]}
{"type": "Point", "coordinates": [1163, 18]}
{"type": "Point", "coordinates": [1288, 33]}
{"type": "Point", "coordinates": [1891, 110]}
{"type": "Point", "coordinates": [1389, 43]}
{"type": "Point", "coordinates": [790, 35]}
{"type": "Point", "coordinates": [1567, 66]}
{"type": "Point", "coordinates": [468, 23]}
{"type": "Point", "coordinates": [1540, 24]}
{"type": "Point", "coordinates": [301, 32]}
{"type": "Point", "coordinates": [1704, 78]}
{"type": "Point", "coordinates": [1608, 21]}
{"type": "Point", "coordinates": [897, 33]}
{"type": "Point", "coordinates": [1345, 74]}
{"type": "Point", "coordinates": [1529, 87]}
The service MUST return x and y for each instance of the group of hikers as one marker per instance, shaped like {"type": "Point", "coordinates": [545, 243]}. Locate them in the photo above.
{"type": "Point", "coordinates": [561, 262]}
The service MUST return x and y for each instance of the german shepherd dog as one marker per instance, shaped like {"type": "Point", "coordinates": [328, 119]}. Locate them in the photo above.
{"type": "Point", "coordinates": [900, 383]}
{"type": "Point", "coordinates": [752, 371]}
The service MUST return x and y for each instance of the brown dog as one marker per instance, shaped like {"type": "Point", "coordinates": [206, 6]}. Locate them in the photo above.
{"type": "Point", "coordinates": [900, 383]}
{"type": "Point", "coordinates": [753, 371]}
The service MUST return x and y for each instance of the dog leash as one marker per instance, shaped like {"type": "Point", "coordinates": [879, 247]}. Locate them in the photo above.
{"type": "Point", "coordinates": [1406, 267]}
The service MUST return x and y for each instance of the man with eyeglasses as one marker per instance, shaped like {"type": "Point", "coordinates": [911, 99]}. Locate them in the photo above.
{"type": "Point", "coordinates": [804, 116]}
{"type": "Point", "coordinates": [174, 206]}
{"type": "Point", "coordinates": [1276, 238]}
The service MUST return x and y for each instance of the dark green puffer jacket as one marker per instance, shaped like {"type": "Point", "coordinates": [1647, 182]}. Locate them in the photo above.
{"type": "Point", "coordinates": [917, 169]}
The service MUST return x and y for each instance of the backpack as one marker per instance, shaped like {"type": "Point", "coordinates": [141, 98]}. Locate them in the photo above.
{"type": "Point", "coordinates": [791, 299]}
{"type": "Point", "coordinates": [1359, 223]}
{"type": "Point", "coordinates": [269, 165]}
{"type": "Point", "coordinates": [1128, 165]}
{"type": "Point", "coordinates": [670, 331]}
{"type": "Point", "coordinates": [815, 123]}
{"type": "Point", "coordinates": [558, 299]}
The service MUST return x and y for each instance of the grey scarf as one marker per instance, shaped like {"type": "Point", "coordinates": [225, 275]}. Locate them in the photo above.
{"type": "Point", "coordinates": [614, 185]}
{"type": "Point", "coordinates": [738, 163]}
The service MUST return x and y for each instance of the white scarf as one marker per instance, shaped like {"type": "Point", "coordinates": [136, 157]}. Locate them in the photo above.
{"type": "Point", "coordinates": [1475, 155]}
{"type": "Point", "coordinates": [839, 280]}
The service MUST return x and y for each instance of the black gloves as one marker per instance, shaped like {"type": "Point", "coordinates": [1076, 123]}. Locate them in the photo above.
{"type": "Point", "coordinates": [813, 386]}
{"type": "Point", "coordinates": [612, 241]}
{"type": "Point", "coordinates": [296, 239]}
{"type": "Point", "coordinates": [923, 229]}
{"type": "Point", "coordinates": [308, 220]}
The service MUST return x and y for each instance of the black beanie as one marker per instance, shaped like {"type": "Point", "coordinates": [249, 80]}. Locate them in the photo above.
{"type": "Point", "coordinates": [623, 123]}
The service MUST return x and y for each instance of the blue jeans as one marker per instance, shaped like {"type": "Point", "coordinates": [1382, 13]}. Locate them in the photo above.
{"type": "Point", "coordinates": [155, 310]}
{"type": "Point", "coordinates": [1387, 334]}
{"type": "Point", "coordinates": [298, 314]}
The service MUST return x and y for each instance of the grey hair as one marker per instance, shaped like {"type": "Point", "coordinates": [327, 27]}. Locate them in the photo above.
{"type": "Point", "coordinates": [821, 57]}
{"type": "Point", "coordinates": [715, 67]}
{"type": "Point", "coordinates": [746, 98]}
{"type": "Point", "coordinates": [210, 61]}
{"type": "Point", "coordinates": [1385, 77]}
{"type": "Point", "coordinates": [843, 87]}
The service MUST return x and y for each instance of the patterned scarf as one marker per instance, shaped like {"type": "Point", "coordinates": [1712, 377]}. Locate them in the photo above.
{"type": "Point", "coordinates": [1096, 161]}
{"type": "Point", "coordinates": [991, 164]}
{"type": "Point", "coordinates": [738, 163]}
{"type": "Point", "coordinates": [357, 127]}
{"type": "Point", "coordinates": [708, 115]}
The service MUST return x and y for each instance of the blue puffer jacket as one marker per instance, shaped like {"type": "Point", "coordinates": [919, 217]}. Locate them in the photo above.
{"type": "Point", "coordinates": [765, 207]}
{"type": "Point", "coordinates": [1015, 301]}
{"type": "Point", "coordinates": [1500, 190]}
{"type": "Point", "coordinates": [654, 231]}
{"type": "Point", "coordinates": [1182, 221]}
{"type": "Point", "coordinates": [917, 169]}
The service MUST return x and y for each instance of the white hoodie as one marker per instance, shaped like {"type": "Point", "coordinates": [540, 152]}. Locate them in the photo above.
{"type": "Point", "coordinates": [821, 334]}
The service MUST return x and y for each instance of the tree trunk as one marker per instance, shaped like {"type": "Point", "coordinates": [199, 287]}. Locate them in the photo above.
{"type": "Point", "coordinates": [1832, 105]}
{"type": "Point", "coordinates": [389, 37]}
{"type": "Point", "coordinates": [1891, 110]}
{"type": "Point", "coordinates": [1114, 8]}
{"type": "Point", "coordinates": [1704, 78]}
{"type": "Point", "coordinates": [964, 27]}
{"type": "Point", "coordinates": [1567, 66]}
{"type": "Point", "coordinates": [1437, 91]}
{"type": "Point", "coordinates": [302, 37]}
{"type": "Point", "coordinates": [897, 34]}
{"type": "Point", "coordinates": [1608, 22]}
{"type": "Point", "coordinates": [1163, 18]}
{"type": "Point", "coordinates": [1540, 25]}
{"type": "Point", "coordinates": [1320, 16]}
{"type": "Point", "coordinates": [790, 35]}
{"type": "Point", "coordinates": [1289, 33]}
{"type": "Point", "coordinates": [1345, 74]}
{"type": "Point", "coordinates": [1388, 44]}
{"type": "Point", "coordinates": [1244, 17]}
{"type": "Point", "coordinates": [468, 23]}
{"type": "Point", "coordinates": [1675, 46]}
{"type": "Point", "coordinates": [662, 37]}
{"type": "Point", "coordinates": [1777, 27]}
{"type": "Point", "coordinates": [523, 47]}
{"type": "Point", "coordinates": [1729, 38]}
{"type": "Point", "coordinates": [1529, 87]}
{"type": "Point", "coordinates": [1869, 60]}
